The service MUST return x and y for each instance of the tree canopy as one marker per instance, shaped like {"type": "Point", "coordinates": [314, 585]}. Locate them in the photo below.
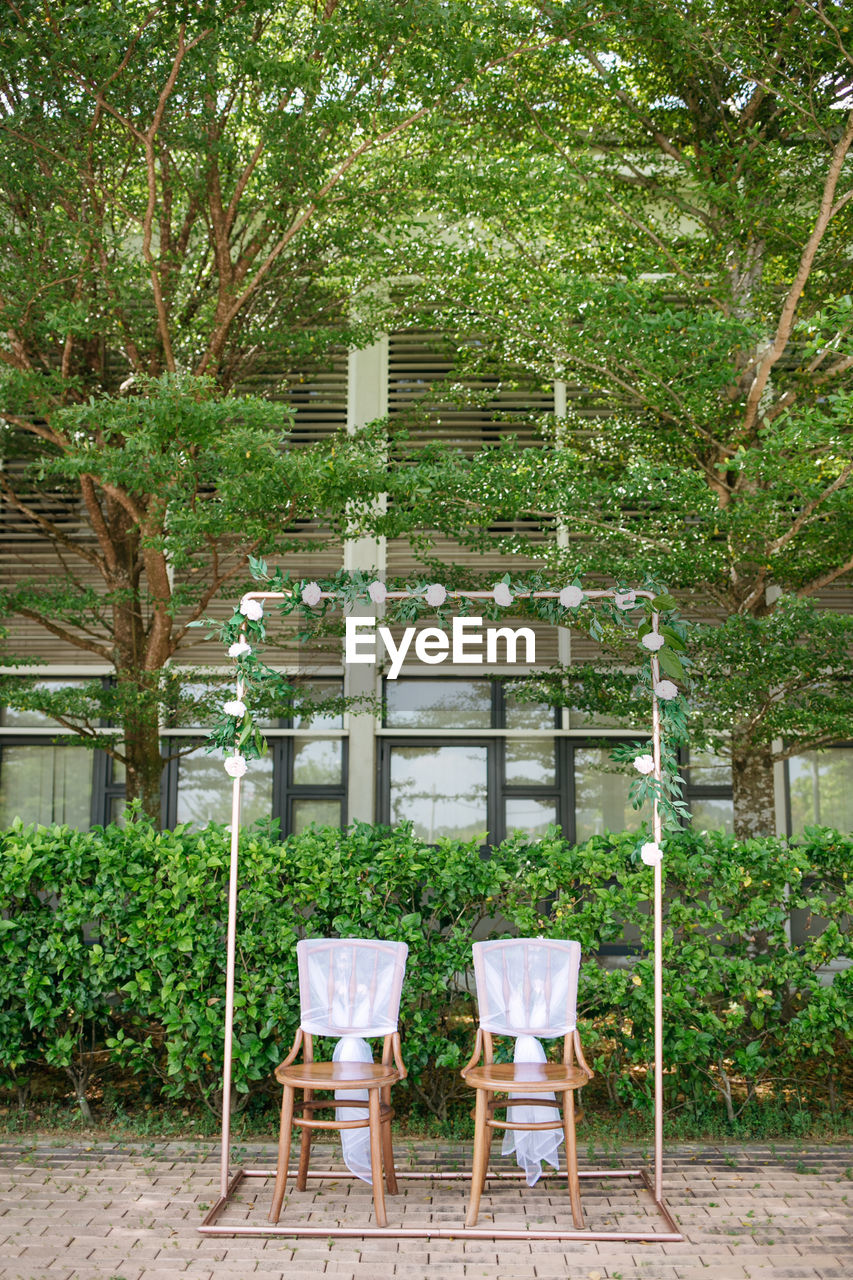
{"type": "Point", "coordinates": [661, 217]}
{"type": "Point", "coordinates": [194, 197]}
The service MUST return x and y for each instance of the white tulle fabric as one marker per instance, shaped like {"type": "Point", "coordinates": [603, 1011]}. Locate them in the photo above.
{"type": "Point", "coordinates": [355, 1142]}
{"type": "Point", "coordinates": [526, 988]}
{"type": "Point", "coordinates": [532, 1147]}
{"type": "Point", "coordinates": [350, 988]}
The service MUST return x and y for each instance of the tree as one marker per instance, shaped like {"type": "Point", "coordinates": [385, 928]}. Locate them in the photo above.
{"type": "Point", "coordinates": [191, 197]}
{"type": "Point", "coordinates": [661, 216]}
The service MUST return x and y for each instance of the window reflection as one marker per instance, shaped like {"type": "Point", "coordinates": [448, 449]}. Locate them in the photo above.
{"type": "Point", "coordinates": [325, 813]}
{"type": "Point", "coordinates": [529, 761]}
{"type": "Point", "coordinates": [442, 790]}
{"type": "Point", "coordinates": [709, 814]}
{"type": "Point", "coordinates": [704, 769]}
{"type": "Point", "coordinates": [205, 791]}
{"type": "Point", "coordinates": [532, 817]}
{"type": "Point", "coordinates": [46, 784]}
{"type": "Point", "coordinates": [438, 704]}
{"type": "Point", "coordinates": [527, 715]}
{"type": "Point", "coordinates": [12, 718]}
{"type": "Point", "coordinates": [601, 795]}
{"type": "Point", "coordinates": [317, 762]}
{"type": "Point", "coordinates": [821, 787]}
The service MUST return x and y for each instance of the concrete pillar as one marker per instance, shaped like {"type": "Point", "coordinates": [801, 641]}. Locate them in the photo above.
{"type": "Point", "coordinates": [367, 399]}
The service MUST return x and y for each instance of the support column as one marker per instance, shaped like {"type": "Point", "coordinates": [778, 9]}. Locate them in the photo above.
{"type": "Point", "coordinates": [367, 399]}
{"type": "Point", "coordinates": [564, 635]}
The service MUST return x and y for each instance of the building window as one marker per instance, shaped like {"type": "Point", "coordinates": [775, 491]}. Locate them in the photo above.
{"type": "Point", "coordinates": [45, 776]}
{"type": "Point", "coordinates": [441, 789]}
{"type": "Point", "coordinates": [301, 780]}
{"type": "Point", "coordinates": [820, 789]}
{"type": "Point", "coordinates": [708, 791]}
{"type": "Point", "coordinates": [464, 758]}
{"type": "Point", "coordinates": [45, 783]}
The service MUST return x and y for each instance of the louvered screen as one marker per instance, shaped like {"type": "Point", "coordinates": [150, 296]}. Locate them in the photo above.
{"type": "Point", "coordinates": [317, 394]}
{"type": "Point", "coordinates": [426, 394]}
{"type": "Point", "coordinates": [319, 399]}
{"type": "Point", "coordinates": [424, 386]}
{"type": "Point", "coordinates": [26, 553]}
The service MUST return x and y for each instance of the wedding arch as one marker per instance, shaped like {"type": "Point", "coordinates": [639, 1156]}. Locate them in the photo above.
{"type": "Point", "coordinates": [561, 607]}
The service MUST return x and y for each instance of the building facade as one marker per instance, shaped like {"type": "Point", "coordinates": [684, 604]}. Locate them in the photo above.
{"type": "Point", "coordinates": [451, 751]}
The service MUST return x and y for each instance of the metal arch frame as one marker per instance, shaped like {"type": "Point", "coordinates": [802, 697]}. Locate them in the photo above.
{"type": "Point", "coordinates": [653, 1183]}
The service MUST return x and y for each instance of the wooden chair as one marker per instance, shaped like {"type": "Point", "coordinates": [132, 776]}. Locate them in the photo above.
{"type": "Point", "coordinates": [526, 987]}
{"type": "Point", "coordinates": [350, 988]}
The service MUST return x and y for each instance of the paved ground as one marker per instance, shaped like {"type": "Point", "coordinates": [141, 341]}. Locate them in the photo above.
{"type": "Point", "coordinates": [131, 1211]}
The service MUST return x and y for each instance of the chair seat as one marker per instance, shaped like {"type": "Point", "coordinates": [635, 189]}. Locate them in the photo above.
{"type": "Point", "coordinates": [338, 1075]}
{"type": "Point", "coordinates": [535, 1077]}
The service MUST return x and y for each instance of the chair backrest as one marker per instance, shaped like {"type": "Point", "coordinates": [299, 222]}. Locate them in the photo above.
{"type": "Point", "coordinates": [350, 986]}
{"type": "Point", "coordinates": [527, 986]}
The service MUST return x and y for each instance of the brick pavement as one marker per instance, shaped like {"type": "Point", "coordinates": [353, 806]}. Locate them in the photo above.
{"type": "Point", "coordinates": [130, 1211]}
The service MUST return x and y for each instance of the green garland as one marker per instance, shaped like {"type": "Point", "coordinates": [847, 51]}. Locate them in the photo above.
{"type": "Point", "coordinates": [618, 616]}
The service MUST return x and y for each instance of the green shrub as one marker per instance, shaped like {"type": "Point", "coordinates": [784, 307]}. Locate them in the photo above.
{"type": "Point", "coordinates": [115, 940]}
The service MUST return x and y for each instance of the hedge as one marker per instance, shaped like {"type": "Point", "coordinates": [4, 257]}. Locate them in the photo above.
{"type": "Point", "coordinates": [113, 940]}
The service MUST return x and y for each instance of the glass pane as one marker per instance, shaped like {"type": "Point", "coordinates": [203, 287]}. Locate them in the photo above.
{"type": "Point", "coordinates": [205, 790]}
{"type": "Point", "coordinates": [822, 789]}
{"type": "Point", "coordinates": [118, 804]}
{"type": "Point", "coordinates": [533, 817]}
{"type": "Point", "coordinates": [712, 815]}
{"type": "Point", "coordinates": [442, 790]}
{"type": "Point", "coordinates": [317, 762]}
{"type": "Point", "coordinates": [325, 813]}
{"type": "Point", "coordinates": [708, 770]}
{"type": "Point", "coordinates": [118, 771]}
{"type": "Point", "coordinates": [438, 704]}
{"type": "Point", "coordinates": [43, 783]}
{"type": "Point", "coordinates": [530, 761]}
{"type": "Point", "coordinates": [596, 720]}
{"type": "Point", "coordinates": [601, 795]}
{"type": "Point", "coordinates": [527, 715]}
{"type": "Point", "coordinates": [318, 690]}
{"type": "Point", "coordinates": [12, 719]}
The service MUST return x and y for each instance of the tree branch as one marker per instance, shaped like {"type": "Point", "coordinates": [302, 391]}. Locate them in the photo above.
{"type": "Point", "coordinates": [62, 633]}
{"type": "Point", "coordinates": [48, 527]}
{"type": "Point", "coordinates": [789, 309]}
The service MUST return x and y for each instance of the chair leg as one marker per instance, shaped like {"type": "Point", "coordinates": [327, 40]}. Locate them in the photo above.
{"type": "Point", "coordinates": [304, 1143]}
{"type": "Point", "coordinates": [375, 1125]}
{"type": "Point", "coordinates": [572, 1158]}
{"type": "Point", "coordinates": [481, 1155]}
{"type": "Point", "coordinates": [488, 1134]}
{"type": "Point", "coordinates": [388, 1149]}
{"type": "Point", "coordinates": [283, 1153]}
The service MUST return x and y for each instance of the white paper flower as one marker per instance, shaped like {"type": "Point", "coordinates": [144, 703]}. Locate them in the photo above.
{"type": "Point", "coordinates": [502, 594]}
{"type": "Point", "coordinates": [377, 592]}
{"type": "Point", "coordinates": [571, 597]}
{"type": "Point", "coordinates": [651, 854]}
{"type": "Point", "coordinates": [653, 641]}
{"type": "Point", "coordinates": [252, 609]}
{"type": "Point", "coordinates": [436, 595]}
{"type": "Point", "coordinates": [312, 594]}
{"type": "Point", "coordinates": [644, 764]}
{"type": "Point", "coordinates": [238, 648]}
{"type": "Point", "coordinates": [235, 708]}
{"type": "Point", "coordinates": [625, 599]}
{"type": "Point", "coordinates": [236, 766]}
{"type": "Point", "coordinates": [666, 689]}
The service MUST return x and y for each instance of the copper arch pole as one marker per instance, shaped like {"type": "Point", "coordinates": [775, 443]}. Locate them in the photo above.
{"type": "Point", "coordinates": [228, 1184]}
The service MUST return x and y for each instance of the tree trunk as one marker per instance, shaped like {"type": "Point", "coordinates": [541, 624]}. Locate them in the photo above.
{"type": "Point", "coordinates": [752, 785]}
{"type": "Point", "coordinates": [144, 762]}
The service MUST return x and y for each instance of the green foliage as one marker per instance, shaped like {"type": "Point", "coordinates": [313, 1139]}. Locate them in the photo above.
{"type": "Point", "coordinates": [192, 199]}
{"type": "Point", "coordinates": [661, 212]}
{"type": "Point", "coordinates": [116, 938]}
